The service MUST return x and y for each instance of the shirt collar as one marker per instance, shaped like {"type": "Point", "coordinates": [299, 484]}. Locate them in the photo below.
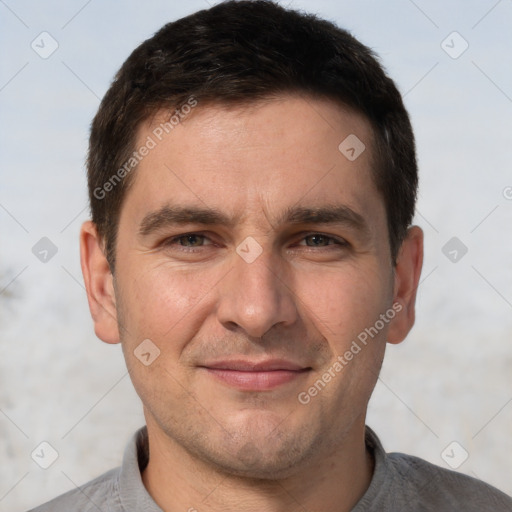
{"type": "Point", "coordinates": [132, 493]}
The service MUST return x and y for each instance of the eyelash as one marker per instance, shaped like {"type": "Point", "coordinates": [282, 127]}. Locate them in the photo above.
{"type": "Point", "coordinates": [173, 241]}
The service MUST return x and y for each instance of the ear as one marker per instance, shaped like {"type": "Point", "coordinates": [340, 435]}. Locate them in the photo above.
{"type": "Point", "coordinates": [99, 284]}
{"type": "Point", "coordinates": [407, 276]}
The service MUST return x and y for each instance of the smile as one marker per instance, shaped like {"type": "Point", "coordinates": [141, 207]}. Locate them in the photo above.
{"type": "Point", "coordinates": [251, 376]}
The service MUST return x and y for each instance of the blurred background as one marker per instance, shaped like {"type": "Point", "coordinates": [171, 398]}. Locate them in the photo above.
{"type": "Point", "coordinates": [445, 394]}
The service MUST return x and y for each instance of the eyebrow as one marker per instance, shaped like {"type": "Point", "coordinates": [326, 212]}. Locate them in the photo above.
{"type": "Point", "coordinates": [174, 215]}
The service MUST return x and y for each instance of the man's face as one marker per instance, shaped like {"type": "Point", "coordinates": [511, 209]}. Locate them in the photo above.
{"type": "Point", "coordinates": [251, 304]}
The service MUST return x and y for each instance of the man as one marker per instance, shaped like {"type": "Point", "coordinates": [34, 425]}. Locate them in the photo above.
{"type": "Point", "coordinates": [252, 180]}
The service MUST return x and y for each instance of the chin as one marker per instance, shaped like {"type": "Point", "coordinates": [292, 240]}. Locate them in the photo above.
{"type": "Point", "coordinates": [261, 452]}
{"type": "Point", "coordinates": [252, 443]}
{"type": "Point", "coordinates": [250, 462]}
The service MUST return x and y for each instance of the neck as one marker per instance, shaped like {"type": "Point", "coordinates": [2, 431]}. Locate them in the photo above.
{"type": "Point", "coordinates": [333, 482]}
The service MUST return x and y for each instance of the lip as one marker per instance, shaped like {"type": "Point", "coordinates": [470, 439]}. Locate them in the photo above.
{"type": "Point", "coordinates": [244, 365]}
{"type": "Point", "coordinates": [255, 375]}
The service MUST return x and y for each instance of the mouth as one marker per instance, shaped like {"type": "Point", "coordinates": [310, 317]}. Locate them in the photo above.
{"type": "Point", "coordinates": [255, 376]}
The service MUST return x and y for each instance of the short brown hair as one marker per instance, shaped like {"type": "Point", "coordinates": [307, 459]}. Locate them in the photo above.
{"type": "Point", "coordinates": [239, 52]}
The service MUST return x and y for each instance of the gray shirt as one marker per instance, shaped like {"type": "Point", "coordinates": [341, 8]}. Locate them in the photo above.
{"type": "Point", "coordinates": [399, 483]}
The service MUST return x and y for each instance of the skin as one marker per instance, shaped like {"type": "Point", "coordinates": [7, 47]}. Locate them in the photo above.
{"type": "Point", "coordinates": [304, 299]}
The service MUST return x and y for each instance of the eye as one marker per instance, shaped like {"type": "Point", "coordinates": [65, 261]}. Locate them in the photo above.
{"type": "Point", "coordinates": [191, 240]}
{"type": "Point", "coordinates": [320, 240]}
{"type": "Point", "coordinates": [188, 241]}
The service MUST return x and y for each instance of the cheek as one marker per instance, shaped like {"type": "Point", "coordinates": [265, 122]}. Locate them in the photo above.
{"type": "Point", "coordinates": [160, 303]}
{"type": "Point", "coordinates": [343, 302]}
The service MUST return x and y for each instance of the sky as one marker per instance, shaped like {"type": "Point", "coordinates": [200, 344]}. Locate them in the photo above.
{"type": "Point", "coordinates": [451, 381]}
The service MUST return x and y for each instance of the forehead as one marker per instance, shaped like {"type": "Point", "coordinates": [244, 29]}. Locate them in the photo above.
{"type": "Point", "coordinates": [254, 161]}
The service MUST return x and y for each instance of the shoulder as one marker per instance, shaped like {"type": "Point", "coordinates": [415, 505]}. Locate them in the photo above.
{"type": "Point", "coordinates": [406, 482]}
{"type": "Point", "coordinates": [443, 489]}
{"type": "Point", "coordinates": [90, 497]}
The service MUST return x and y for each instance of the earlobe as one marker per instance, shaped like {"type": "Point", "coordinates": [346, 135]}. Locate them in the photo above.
{"type": "Point", "coordinates": [98, 284]}
{"type": "Point", "coordinates": [407, 276]}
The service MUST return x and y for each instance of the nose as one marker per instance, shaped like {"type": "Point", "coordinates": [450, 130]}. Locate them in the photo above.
{"type": "Point", "coordinates": [256, 296]}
